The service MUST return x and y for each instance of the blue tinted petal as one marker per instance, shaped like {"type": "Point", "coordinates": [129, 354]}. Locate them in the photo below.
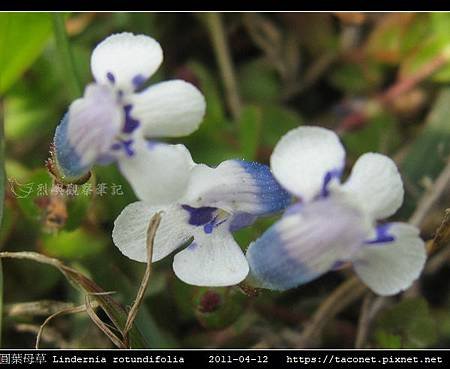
{"type": "Point", "coordinates": [272, 196]}
{"type": "Point", "coordinates": [67, 160]}
{"type": "Point", "coordinates": [306, 244]}
{"type": "Point", "coordinates": [270, 265]}
{"type": "Point", "coordinates": [87, 132]}
{"type": "Point", "coordinates": [236, 186]}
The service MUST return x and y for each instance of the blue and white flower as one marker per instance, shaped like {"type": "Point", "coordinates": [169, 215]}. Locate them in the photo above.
{"type": "Point", "coordinates": [115, 117]}
{"type": "Point", "coordinates": [216, 202]}
{"type": "Point", "coordinates": [336, 223]}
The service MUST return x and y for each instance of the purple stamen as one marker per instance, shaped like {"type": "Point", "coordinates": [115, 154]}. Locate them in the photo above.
{"type": "Point", "coordinates": [125, 145]}
{"type": "Point", "coordinates": [130, 123]}
{"type": "Point", "coordinates": [199, 216]}
{"type": "Point", "coordinates": [204, 216]}
{"type": "Point", "coordinates": [111, 77]}
{"type": "Point", "coordinates": [209, 227]}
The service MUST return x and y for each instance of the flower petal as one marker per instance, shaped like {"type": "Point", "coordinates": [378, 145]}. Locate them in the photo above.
{"type": "Point", "coordinates": [306, 243]}
{"type": "Point", "coordinates": [391, 266]}
{"type": "Point", "coordinates": [236, 186]}
{"type": "Point", "coordinates": [158, 173]}
{"type": "Point", "coordinates": [125, 60]}
{"type": "Point", "coordinates": [67, 160]}
{"type": "Point", "coordinates": [130, 231]}
{"type": "Point", "coordinates": [213, 259]}
{"type": "Point", "coordinates": [88, 130]}
{"type": "Point", "coordinates": [169, 109]}
{"type": "Point", "coordinates": [376, 185]}
{"type": "Point", "coordinates": [305, 158]}
{"type": "Point", "coordinates": [93, 122]}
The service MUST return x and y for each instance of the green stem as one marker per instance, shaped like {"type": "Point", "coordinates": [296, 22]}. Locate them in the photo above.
{"type": "Point", "coordinates": [62, 43]}
{"type": "Point", "coordinates": [2, 161]}
{"type": "Point", "coordinates": [1, 301]}
{"type": "Point", "coordinates": [217, 34]}
{"type": "Point", "coordinates": [2, 199]}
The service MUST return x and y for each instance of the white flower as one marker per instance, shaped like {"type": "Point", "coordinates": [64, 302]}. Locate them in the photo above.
{"type": "Point", "coordinates": [113, 119]}
{"type": "Point", "coordinates": [216, 202]}
{"type": "Point", "coordinates": [336, 223]}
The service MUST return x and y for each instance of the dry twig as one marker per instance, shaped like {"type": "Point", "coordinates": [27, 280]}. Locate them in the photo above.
{"type": "Point", "coordinates": [151, 233]}
{"type": "Point", "coordinates": [71, 310]}
{"type": "Point", "coordinates": [340, 298]}
{"type": "Point", "coordinates": [369, 310]}
{"type": "Point", "coordinates": [100, 324]}
{"type": "Point", "coordinates": [217, 34]}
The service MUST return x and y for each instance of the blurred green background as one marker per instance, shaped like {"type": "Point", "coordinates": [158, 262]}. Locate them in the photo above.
{"type": "Point", "coordinates": [382, 81]}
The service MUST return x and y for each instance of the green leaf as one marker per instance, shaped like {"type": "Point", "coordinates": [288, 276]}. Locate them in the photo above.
{"type": "Point", "coordinates": [34, 191]}
{"type": "Point", "coordinates": [428, 51]}
{"type": "Point", "coordinates": [217, 308]}
{"type": "Point", "coordinates": [388, 341]}
{"type": "Point", "coordinates": [428, 154]}
{"type": "Point", "coordinates": [65, 52]}
{"type": "Point", "coordinates": [442, 316]}
{"type": "Point", "coordinates": [25, 118]}
{"type": "Point", "coordinates": [1, 301]}
{"type": "Point", "coordinates": [154, 335]}
{"type": "Point", "coordinates": [79, 204]}
{"type": "Point", "coordinates": [30, 113]}
{"type": "Point", "coordinates": [22, 39]}
{"type": "Point", "coordinates": [357, 78]}
{"type": "Point", "coordinates": [396, 35]}
{"type": "Point", "coordinates": [73, 245]}
{"type": "Point", "coordinates": [432, 46]}
{"type": "Point", "coordinates": [215, 115]}
{"type": "Point", "coordinates": [249, 126]}
{"type": "Point", "coordinates": [110, 207]}
{"type": "Point", "coordinates": [258, 82]}
{"type": "Point", "coordinates": [215, 140]}
{"type": "Point", "coordinates": [183, 295]}
{"type": "Point", "coordinates": [409, 323]}
{"type": "Point", "coordinates": [10, 216]}
{"type": "Point", "coordinates": [277, 121]}
{"type": "Point", "coordinates": [246, 235]}
{"type": "Point", "coordinates": [112, 308]}
{"type": "Point", "coordinates": [378, 135]}
{"type": "Point", "coordinates": [2, 165]}
{"type": "Point", "coordinates": [440, 23]}
{"type": "Point", "coordinates": [2, 200]}
{"type": "Point", "coordinates": [28, 192]}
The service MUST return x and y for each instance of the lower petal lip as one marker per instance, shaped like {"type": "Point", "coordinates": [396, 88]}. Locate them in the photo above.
{"type": "Point", "coordinates": [66, 159]}
{"type": "Point", "coordinates": [306, 243]}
